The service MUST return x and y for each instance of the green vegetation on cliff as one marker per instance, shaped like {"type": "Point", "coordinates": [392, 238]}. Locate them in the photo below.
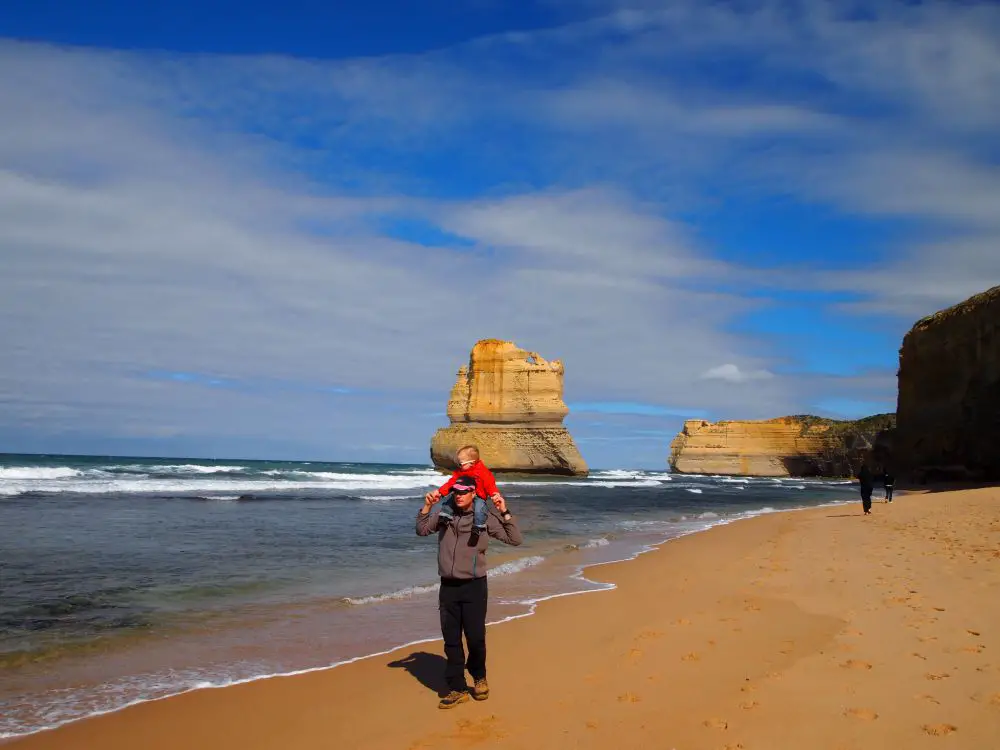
{"type": "Point", "coordinates": [849, 443]}
{"type": "Point", "coordinates": [865, 426]}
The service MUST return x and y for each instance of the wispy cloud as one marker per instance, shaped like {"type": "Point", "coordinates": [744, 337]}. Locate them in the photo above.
{"type": "Point", "coordinates": [733, 374]}
{"type": "Point", "coordinates": [626, 407]}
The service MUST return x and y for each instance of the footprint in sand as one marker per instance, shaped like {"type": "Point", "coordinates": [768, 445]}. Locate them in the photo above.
{"type": "Point", "coordinates": [919, 656]}
{"type": "Point", "coordinates": [634, 654]}
{"type": "Point", "coordinates": [939, 730]}
{"type": "Point", "coordinates": [629, 697]}
{"type": "Point", "coordinates": [940, 676]}
{"type": "Point", "coordinates": [938, 609]}
{"type": "Point", "coordinates": [972, 632]}
{"type": "Point", "coordinates": [931, 698]}
{"type": "Point", "coordinates": [995, 699]}
{"type": "Point", "coordinates": [716, 723]}
{"type": "Point", "coordinates": [478, 731]}
{"type": "Point", "coordinates": [747, 705]}
{"type": "Point", "coordinates": [682, 621]}
{"type": "Point", "coordinates": [972, 649]}
{"type": "Point", "coordinates": [856, 664]}
{"type": "Point", "coordinates": [691, 657]}
{"type": "Point", "coordinates": [865, 714]}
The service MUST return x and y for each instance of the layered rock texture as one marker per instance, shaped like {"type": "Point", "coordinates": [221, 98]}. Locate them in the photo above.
{"type": "Point", "coordinates": [948, 407]}
{"type": "Point", "coordinates": [798, 446]}
{"type": "Point", "coordinates": [509, 403]}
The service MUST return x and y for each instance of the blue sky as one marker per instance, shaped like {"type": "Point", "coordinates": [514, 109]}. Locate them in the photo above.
{"type": "Point", "coordinates": [276, 230]}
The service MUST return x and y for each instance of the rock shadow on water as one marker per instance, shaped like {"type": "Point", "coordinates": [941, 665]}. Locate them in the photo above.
{"type": "Point", "coordinates": [426, 668]}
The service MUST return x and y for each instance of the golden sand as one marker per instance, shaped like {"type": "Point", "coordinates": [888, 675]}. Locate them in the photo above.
{"type": "Point", "coordinates": [812, 629]}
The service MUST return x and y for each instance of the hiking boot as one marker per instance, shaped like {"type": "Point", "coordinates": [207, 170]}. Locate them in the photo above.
{"type": "Point", "coordinates": [481, 690]}
{"type": "Point", "coordinates": [453, 699]}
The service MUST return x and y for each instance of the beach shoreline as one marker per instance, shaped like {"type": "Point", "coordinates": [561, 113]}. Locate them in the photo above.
{"type": "Point", "coordinates": [574, 583]}
{"type": "Point", "coordinates": [405, 676]}
{"type": "Point", "coordinates": [239, 607]}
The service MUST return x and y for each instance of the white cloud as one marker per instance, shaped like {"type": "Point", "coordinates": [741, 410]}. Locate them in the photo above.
{"type": "Point", "coordinates": [159, 212]}
{"type": "Point", "coordinates": [733, 374]}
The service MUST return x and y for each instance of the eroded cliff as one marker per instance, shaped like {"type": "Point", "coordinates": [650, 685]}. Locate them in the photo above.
{"type": "Point", "coordinates": [948, 406]}
{"type": "Point", "coordinates": [798, 446]}
{"type": "Point", "coordinates": [509, 403]}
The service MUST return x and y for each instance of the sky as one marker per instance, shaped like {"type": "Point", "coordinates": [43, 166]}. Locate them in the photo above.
{"type": "Point", "coordinates": [275, 230]}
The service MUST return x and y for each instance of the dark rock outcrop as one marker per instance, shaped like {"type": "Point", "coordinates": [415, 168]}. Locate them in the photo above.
{"type": "Point", "coordinates": [949, 394]}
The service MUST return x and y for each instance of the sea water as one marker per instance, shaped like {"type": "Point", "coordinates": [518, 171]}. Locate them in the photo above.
{"type": "Point", "coordinates": [125, 579]}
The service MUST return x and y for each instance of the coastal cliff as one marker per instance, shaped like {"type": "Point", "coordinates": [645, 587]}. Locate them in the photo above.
{"type": "Point", "coordinates": [948, 406]}
{"type": "Point", "coordinates": [797, 446]}
{"type": "Point", "coordinates": [509, 402]}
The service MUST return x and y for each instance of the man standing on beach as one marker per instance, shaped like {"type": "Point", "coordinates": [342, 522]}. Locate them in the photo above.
{"type": "Point", "coordinates": [463, 593]}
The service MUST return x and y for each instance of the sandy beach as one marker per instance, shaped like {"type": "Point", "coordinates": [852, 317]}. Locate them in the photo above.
{"type": "Point", "coordinates": [810, 629]}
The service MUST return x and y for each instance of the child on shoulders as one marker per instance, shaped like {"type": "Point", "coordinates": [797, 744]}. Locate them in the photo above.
{"type": "Point", "coordinates": [470, 467]}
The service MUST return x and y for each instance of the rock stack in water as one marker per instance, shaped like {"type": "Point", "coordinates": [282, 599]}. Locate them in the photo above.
{"type": "Point", "coordinates": [948, 411]}
{"type": "Point", "coordinates": [509, 402]}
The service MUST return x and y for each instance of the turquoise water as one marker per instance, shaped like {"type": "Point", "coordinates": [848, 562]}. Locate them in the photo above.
{"type": "Point", "coordinates": [126, 579]}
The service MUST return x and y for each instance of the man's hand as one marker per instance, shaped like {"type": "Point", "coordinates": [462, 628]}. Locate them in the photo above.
{"type": "Point", "coordinates": [429, 499]}
{"type": "Point", "coordinates": [499, 502]}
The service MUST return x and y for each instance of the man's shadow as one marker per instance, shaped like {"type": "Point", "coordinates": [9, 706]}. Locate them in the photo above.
{"type": "Point", "coordinates": [427, 668]}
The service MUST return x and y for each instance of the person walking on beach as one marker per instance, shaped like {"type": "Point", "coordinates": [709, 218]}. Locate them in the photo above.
{"type": "Point", "coordinates": [888, 480]}
{"type": "Point", "coordinates": [867, 484]}
{"type": "Point", "coordinates": [462, 596]}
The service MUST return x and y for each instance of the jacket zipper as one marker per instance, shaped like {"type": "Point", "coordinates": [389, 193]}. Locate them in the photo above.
{"type": "Point", "coordinates": [454, 555]}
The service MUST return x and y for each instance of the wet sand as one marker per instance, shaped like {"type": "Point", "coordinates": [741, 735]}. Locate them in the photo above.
{"type": "Point", "coordinates": [811, 629]}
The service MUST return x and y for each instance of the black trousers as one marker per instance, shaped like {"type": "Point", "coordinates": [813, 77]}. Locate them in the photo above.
{"type": "Point", "coordinates": [866, 498]}
{"type": "Point", "coordinates": [462, 604]}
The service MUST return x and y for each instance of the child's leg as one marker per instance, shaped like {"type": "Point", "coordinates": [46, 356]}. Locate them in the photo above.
{"type": "Point", "coordinates": [447, 512]}
{"type": "Point", "coordinates": [479, 513]}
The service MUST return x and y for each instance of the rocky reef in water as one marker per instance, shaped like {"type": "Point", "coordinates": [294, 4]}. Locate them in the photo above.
{"type": "Point", "coordinates": [793, 446]}
{"type": "Point", "coordinates": [948, 406]}
{"type": "Point", "coordinates": [509, 403]}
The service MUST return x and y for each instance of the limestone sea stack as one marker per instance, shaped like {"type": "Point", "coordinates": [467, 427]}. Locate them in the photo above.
{"type": "Point", "coordinates": [796, 446]}
{"type": "Point", "coordinates": [509, 402]}
{"type": "Point", "coordinates": [948, 407]}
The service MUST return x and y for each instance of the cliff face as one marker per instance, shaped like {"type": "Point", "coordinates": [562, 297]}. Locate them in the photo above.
{"type": "Point", "coordinates": [949, 393]}
{"type": "Point", "coordinates": [799, 446]}
{"type": "Point", "coordinates": [508, 402]}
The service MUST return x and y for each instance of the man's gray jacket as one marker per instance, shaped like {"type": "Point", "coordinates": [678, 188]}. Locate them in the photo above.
{"type": "Point", "coordinates": [456, 559]}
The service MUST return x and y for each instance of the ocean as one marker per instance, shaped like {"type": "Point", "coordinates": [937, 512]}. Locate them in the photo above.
{"type": "Point", "coordinates": [128, 579]}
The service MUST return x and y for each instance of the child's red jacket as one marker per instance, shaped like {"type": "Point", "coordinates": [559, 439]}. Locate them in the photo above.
{"type": "Point", "coordinates": [486, 485]}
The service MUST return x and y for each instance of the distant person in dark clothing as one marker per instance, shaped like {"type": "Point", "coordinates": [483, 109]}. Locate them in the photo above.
{"type": "Point", "coordinates": [867, 482]}
{"type": "Point", "coordinates": [887, 482]}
